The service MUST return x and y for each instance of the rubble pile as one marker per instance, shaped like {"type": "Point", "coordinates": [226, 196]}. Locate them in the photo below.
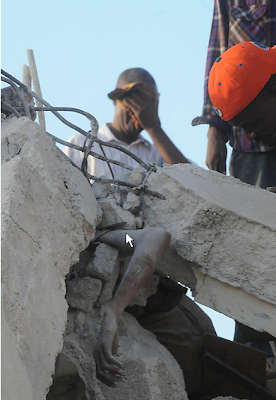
{"type": "Point", "coordinates": [49, 215]}
{"type": "Point", "coordinates": [151, 371]}
{"type": "Point", "coordinates": [220, 248]}
{"type": "Point", "coordinates": [223, 241]}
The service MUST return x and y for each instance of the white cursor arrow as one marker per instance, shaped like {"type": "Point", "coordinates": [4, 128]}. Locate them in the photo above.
{"type": "Point", "coordinates": [129, 240]}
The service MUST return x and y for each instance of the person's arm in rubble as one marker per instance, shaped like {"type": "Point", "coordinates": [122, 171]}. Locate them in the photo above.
{"type": "Point", "coordinates": [149, 246]}
{"type": "Point", "coordinates": [146, 113]}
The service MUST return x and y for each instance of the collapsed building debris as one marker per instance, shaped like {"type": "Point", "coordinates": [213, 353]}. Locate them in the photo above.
{"type": "Point", "coordinates": [225, 232]}
{"type": "Point", "coordinates": [50, 215]}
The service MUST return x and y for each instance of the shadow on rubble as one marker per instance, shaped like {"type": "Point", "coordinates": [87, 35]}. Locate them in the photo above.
{"type": "Point", "coordinates": [67, 383]}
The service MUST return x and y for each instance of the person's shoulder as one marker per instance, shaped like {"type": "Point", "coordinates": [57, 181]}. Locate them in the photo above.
{"type": "Point", "coordinates": [77, 139]}
{"type": "Point", "coordinates": [153, 153]}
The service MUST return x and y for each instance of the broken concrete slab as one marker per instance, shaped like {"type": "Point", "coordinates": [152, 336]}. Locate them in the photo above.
{"type": "Point", "coordinates": [104, 263]}
{"type": "Point", "coordinates": [17, 384]}
{"type": "Point", "coordinates": [82, 293]}
{"type": "Point", "coordinates": [227, 192]}
{"type": "Point", "coordinates": [221, 232]}
{"type": "Point", "coordinates": [114, 214]}
{"type": "Point", "coordinates": [49, 215]}
{"type": "Point", "coordinates": [132, 203]}
{"type": "Point", "coordinates": [135, 177]}
{"type": "Point", "coordinates": [105, 266]}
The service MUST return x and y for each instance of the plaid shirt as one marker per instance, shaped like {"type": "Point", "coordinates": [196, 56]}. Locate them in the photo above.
{"type": "Point", "coordinates": [236, 21]}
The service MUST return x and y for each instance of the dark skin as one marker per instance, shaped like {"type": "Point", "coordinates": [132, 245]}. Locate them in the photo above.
{"type": "Point", "coordinates": [216, 151]}
{"type": "Point", "coordinates": [145, 108]}
{"type": "Point", "coordinates": [149, 246]}
{"type": "Point", "coordinates": [258, 120]}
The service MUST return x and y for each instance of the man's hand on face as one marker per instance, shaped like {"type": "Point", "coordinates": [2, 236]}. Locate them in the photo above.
{"type": "Point", "coordinates": [108, 369]}
{"type": "Point", "coordinates": [140, 103]}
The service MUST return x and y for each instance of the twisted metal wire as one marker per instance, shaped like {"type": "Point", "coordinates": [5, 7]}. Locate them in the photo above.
{"type": "Point", "coordinates": [91, 136]}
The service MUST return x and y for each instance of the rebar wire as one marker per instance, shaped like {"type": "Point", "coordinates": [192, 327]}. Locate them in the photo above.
{"type": "Point", "coordinates": [21, 96]}
{"type": "Point", "coordinates": [8, 107]}
{"type": "Point", "coordinates": [87, 150]}
{"type": "Point", "coordinates": [97, 140]}
{"type": "Point", "coordinates": [60, 117]}
{"type": "Point", "coordinates": [131, 185]}
{"type": "Point", "coordinates": [117, 181]}
{"type": "Point", "coordinates": [91, 153]}
{"type": "Point", "coordinates": [93, 122]}
{"type": "Point", "coordinates": [143, 186]}
{"type": "Point", "coordinates": [110, 169]}
{"type": "Point", "coordinates": [94, 129]}
{"type": "Point", "coordinates": [122, 149]}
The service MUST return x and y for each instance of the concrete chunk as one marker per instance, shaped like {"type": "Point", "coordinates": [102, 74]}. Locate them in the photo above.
{"type": "Point", "coordinates": [47, 220]}
{"type": "Point", "coordinates": [105, 266]}
{"type": "Point", "coordinates": [82, 293]}
{"type": "Point", "coordinates": [224, 230]}
{"type": "Point", "coordinates": [114, 214]}
{"type": "Point", "coordinates": [132, 203]}
{"type": "Point", "coordinates": [104, 262]}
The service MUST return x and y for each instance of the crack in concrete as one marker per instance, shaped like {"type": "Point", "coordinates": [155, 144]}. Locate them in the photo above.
{"type": "Point", "coordinates": [11, 154]}
{"type": "Point", "coordinates": [9, 216]}
{"type": "Point", "coordinates": [198, 288]}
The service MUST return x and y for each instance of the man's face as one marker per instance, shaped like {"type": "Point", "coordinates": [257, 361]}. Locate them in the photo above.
{"type": "Point", "coordinates": [123, 120]}
{"type": "Point", "coordinates": [258, 120]}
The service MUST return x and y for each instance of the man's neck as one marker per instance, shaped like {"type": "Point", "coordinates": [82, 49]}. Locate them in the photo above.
{"type": "Point", "coordinates": [123, 137]}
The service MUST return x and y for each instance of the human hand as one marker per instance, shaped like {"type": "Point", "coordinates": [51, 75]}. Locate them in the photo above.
{"type": "Point", "coordinates": [144, 108]}
{"type": "Point", "coordinates": [271, 189]}
{"type": "Point", "coordinates": [108, 369]}
{"type": "Point", "coordinates": [216, 151]}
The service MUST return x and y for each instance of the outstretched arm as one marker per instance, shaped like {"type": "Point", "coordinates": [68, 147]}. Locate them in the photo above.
{"type": "Point", "coordinates": [148, 247]}
{"type": "Point", "coordinates": [146, 113]}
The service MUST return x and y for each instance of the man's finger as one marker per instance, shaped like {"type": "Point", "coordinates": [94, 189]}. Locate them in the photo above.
{"type": "Point", "coordinates": [139, 99]}
{"type": "Point", "coordinates": [107, 378]}
{"type": "Point", "coordinates": [113, 365]}
{"type": "Point", "coordinates": [132, 105]}
{"type": "Point", "coordinates": [140, 95]}
{"type": "Point", "coordinates": [107, 362]}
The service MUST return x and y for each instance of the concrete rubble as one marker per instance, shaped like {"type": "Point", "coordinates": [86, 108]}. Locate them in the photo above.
{"type": "Point", "coordinates": [224, 238]}
{"type": "Point", "coordinates": [49, 215]}
{"type": "Point", "coordinates": [223, 249]}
